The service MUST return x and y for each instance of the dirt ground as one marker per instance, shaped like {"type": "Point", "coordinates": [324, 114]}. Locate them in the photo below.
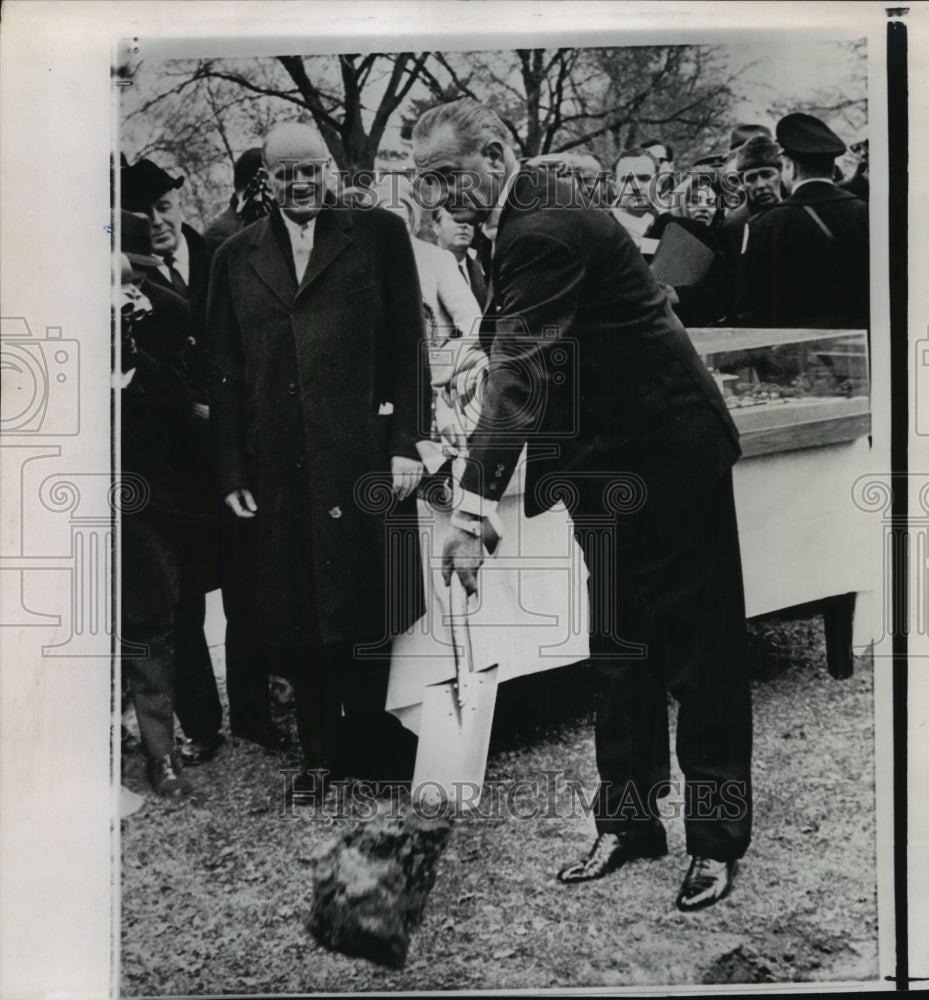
{"type": "Point", "coordinates": [215, 891]}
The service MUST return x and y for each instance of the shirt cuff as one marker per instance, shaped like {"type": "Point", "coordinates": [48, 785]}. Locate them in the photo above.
{"type": "Point", "coordinates": [473, 503]}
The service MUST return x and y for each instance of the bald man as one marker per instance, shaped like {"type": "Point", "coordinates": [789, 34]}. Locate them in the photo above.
{"type": "Point", "coordinates": [322, 394]}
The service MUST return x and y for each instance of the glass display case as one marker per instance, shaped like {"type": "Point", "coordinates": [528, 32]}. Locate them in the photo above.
{"type": "Point", "coordinates": [790, 389]}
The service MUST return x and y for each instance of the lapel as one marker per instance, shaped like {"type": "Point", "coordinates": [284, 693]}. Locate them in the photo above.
{"type": "Point", "coordinates": [198, 256]}
{"type": "Point", "coordinates": [154, 275]}
{"type": "Point", "coordinates": [271, 259]}
{"type": "Point", "coordinates": [332, 236]}
{"type": "Point", "coordinates": [515, 202]}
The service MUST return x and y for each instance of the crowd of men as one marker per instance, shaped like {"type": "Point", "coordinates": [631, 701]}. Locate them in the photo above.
{"type": "Point", "coordinates": [277, 397]}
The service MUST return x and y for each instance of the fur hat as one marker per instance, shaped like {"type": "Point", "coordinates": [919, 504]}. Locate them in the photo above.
{"type": "Point", "coordinates": [759, 151]}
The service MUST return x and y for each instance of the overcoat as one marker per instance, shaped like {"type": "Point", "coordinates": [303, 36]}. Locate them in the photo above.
{"type": "Point", "coordinates": [158, 510]}
{"type": "Point", "coordinates": [806, 262]}
{"type": "Point", "coordinates": [318, 383]}
{"type": "Point", "coordinates": [195, 466]}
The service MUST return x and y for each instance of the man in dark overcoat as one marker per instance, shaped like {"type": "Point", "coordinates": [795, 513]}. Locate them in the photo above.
{"type": "Point", "coordinates": [154, 407]}
{"type": "Point", "coordinates": [182, 266]}
{"type": "Point", "coordinates": [805, 262]}
{"type": "Point", "coordinates": [321, 396]}
{"type": "Point", "coordinates": [590, 367]}
{"type": "Point", "coordinates": [218, 554]}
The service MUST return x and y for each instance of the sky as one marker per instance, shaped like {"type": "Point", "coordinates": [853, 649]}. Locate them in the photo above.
{"type": "Point", "coordinates": [782, 72]}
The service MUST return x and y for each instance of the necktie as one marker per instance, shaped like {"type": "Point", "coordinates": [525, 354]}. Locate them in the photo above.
{"type": "Point", "coordinates": [177, 282]}
{"type": "Point", "coordinates": [463, 267]}
{"type": "Point", "coordinates": [485, 250]}
{"type": "Point", "coordinates": [302, 245]}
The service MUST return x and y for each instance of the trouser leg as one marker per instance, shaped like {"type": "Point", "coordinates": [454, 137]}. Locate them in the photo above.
{"type": "Point", "coordinates": [707, 673]}
{"type": "Point", "coordinates": [196, 697]}
{"type": "Point", "coordinates": [316, 703]}
{"type": "Point", "coordinates": [631, 730]}
{"type": "Point", "coordinates": [247, 658]}
{"type": "Point", "coordinates": [151, 681]}
{"type": "Point", "coordinates": [678, 592]}
{"type": "Point", "coordinates": [361, 680]}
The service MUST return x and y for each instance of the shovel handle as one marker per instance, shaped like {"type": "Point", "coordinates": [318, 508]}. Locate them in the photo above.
{"type": "Point", "coordinates": [461, 638]}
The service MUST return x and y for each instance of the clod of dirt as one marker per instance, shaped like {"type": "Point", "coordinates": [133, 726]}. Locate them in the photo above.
{"type": "Point", "coordinates": [370, 887]}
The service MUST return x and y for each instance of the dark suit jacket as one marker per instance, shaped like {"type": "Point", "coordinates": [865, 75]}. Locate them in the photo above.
{"type": "Point", "coordinates": [477, 279]}
{"type": "Point", "coordinates": [304, 373]}
{"type": "Point", "coordinates": [588, 363]}
{"type": "Point", "coordinates": [793, 274]}
{"type": "Point", "coordinates": [226, 224]}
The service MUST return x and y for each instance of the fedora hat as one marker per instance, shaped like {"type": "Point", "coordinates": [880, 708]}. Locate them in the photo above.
{"type": "Point", "coordinates": [144, 182]}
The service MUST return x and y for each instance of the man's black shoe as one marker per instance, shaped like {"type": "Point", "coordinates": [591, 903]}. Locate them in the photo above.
{"type": "Point", "coordinates": [269, 736]}
{"type": "Point", "coordinates": [194, 752]}
{"type": "Point", "coordinates": [611, 851]}
{"type": "Point", "coordinates": [706, 882]}
{"type": "Point", "coordinates": [167, 778]}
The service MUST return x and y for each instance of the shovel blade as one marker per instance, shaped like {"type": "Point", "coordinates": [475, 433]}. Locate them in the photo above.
{"type": "Point", "coordinates": [453, 740]}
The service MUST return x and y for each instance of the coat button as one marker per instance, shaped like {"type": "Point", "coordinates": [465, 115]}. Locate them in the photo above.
{"type": "Point", "coordinates": [335, 512]}
{"type": "Point", "coordinates": [300, 463]}
{"type": "Point", "coordinates": [292, 388]}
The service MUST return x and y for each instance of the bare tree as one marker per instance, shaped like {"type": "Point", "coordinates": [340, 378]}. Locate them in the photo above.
{"type": "Point", "coordinates": [599, 99]}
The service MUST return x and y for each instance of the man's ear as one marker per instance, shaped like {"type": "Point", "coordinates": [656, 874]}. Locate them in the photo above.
{"type": "Point", "coordinates": [493, 150]}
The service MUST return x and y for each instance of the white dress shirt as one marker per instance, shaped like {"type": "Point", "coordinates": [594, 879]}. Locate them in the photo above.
{"type": "Point", "coordinates": [181, 261]}
{"type": "Point", "coordinates": [301, 242]}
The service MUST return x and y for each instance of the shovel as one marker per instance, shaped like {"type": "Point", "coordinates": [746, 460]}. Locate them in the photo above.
{"type": "Point", "coordinates": [456, 720]}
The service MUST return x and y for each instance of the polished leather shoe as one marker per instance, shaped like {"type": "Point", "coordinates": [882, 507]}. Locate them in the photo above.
{"type": "Point", "coordinates": [269, 736]}
{"type": "Point", "coordinates": [612, 851]}
{"type": "Point", "coordinates": [706, 882]}
{"type": "Point", "coordinates": [194, 752]}
{"type": "Point", "coordinates": [167, 778]}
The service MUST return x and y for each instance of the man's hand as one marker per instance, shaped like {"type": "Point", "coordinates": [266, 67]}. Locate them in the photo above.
{"type": "Point", "coordinates": [407, 473]}
{"type": "Point", "coordinates": [241, 503]}
{"type": "Point", "coordinates": [463, 554]}
{"type": "Point", "coordinates": [201, 412]}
